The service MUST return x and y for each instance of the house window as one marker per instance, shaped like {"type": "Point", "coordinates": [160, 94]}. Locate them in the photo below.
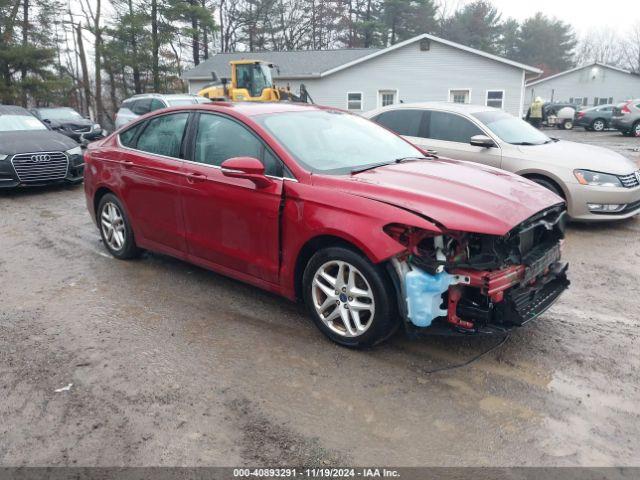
{"type": "Point", "coordinates": [495, 98]}
{"type": "Point", "coordinates": [460, 96]}
{"type": "Point", "coordinates": [387, 97]}
{"type": "Point", "coordinates": [354, 101]}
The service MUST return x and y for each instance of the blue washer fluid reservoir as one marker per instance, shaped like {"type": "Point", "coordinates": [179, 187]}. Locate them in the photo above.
{"type": "Point", "coordinates": [424, 295]}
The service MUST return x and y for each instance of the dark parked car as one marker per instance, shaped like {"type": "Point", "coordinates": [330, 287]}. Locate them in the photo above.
{"type": "Point", "coordinates": [70, 123]}
{"type": "Point", "coordinates": [323, 205]}
{"type": "Point", "coordinates": [595, 119]}
{"type": "Point", "coordinates": [32, 154]}
{"type": "Point", "coordinates": [626, 118]}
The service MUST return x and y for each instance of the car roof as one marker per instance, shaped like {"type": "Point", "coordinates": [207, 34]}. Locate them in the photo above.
{"type": "Point", "coordinates": [14, 110]}
{"type": "Point", "coordinates": [251, 109]}
{"type": "Point", "coordinates": [162, 95]}
{"type": "Point", "coordinates": [449, 106]}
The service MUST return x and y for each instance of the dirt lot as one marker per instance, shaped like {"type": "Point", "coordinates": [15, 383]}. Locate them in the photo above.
{"type": "Point", "coordinates": [174, 365]}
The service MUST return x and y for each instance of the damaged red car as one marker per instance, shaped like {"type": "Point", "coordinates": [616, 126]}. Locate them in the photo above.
{"type": "Point", "coordinates": [323, 206]}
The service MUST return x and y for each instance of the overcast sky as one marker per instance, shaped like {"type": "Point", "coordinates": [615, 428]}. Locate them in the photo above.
{"type": "Point", "coordinates": [581, 14]}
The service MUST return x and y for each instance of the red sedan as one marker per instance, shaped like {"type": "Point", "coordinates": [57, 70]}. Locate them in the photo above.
{"type": "Point", "coordinates": [318, 204]}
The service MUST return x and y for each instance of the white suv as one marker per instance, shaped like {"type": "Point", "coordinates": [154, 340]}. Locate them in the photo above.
{"type": "Point", "coordinates": [138, 105]}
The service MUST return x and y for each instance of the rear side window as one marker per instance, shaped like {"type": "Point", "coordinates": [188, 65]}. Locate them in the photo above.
{"type": "Point", "coordinates": [142, 106]}
{"type": "Point", "coordinates": [163, 135]}
{"type": "Point", "coordinates": [128, 137]}
{"type": "Point", "coordinates": [451, 128]}
{"type": "Point", "coordinates": [127, 104]}
{"type": "Point", "coordinates": [403, 122]}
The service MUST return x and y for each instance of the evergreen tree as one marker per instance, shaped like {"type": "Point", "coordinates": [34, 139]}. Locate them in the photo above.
{"type": "Point", "coordinates": [547, 43]}
{"type": "Point", "coordinates": [476, 25]}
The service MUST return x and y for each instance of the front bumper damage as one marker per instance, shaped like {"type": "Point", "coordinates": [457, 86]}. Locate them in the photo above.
{"type": "Point", "coordinates": [454, 297]}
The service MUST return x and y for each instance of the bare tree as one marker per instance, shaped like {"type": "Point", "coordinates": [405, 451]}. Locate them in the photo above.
{"type": "Point", "coordinates": [631, 49]}
{"type": "Point", "coordinates": [93, 16]}
{"type": "Point", "coordinates": [602, 45]}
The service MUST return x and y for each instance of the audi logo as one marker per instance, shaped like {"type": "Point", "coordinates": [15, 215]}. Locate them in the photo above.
{"type": "Point", "coordinates": [41, 157]}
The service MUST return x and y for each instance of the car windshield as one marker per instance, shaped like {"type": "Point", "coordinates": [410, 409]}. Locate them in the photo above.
{"type": "Point", "coordinates": [12, 123]}
{"type": "Point", "coordinates": [336, 143]}
{"type": "Point", "coordinates": [511, 129]}
{"type": "Point", "coordinates": [59, 114]}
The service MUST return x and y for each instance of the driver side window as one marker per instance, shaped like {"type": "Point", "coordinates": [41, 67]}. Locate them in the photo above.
{"type": "Point", "coordinates": [220, 138]}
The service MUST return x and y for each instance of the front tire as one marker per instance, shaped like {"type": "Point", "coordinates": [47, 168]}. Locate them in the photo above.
{"type": "Point", "coordinates": [543, 182]}
{"type": "Point", "coordinates": [567, 125]}
{"type": "Point", "coordinates": [115, 228]}
{"type": "Point", "coordinates": [635, 130]}
{"type": "Point", "coordinates": [349, 299]}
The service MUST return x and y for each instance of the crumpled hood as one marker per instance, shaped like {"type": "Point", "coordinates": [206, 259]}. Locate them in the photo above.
{"type": "Point", "coordinates": [34, 141]}
{"type": "Point", "coordinates": [579, 155]}
{"type": "Point", "coordinates": [460, 195]}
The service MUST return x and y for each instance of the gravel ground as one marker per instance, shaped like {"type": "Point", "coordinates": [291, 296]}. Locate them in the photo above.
{"type": "Point", "coordinates": [170, 364]}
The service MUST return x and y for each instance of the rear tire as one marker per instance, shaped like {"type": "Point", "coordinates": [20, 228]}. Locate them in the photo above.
{"type": "Point", "coordinates": [598, 125]}
{"type": "Point", "coordinates": [567, 125]}
{"type": "Point", "coordinates": [635, 130]}
{"type": "Point", "coordinates": [115, 228]}
{"type": "Point", "coordinates": [350, 299]}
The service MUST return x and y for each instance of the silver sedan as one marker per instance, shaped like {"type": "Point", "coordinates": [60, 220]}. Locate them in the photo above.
{"type": "Point", "coordinates": [597, 183]}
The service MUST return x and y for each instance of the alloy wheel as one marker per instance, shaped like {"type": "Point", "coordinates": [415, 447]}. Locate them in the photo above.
{"type": "Point", "coordinates": [343, 298]}
{"type": "Point", "coordinates": [113, 227]}
{"type": "Point", "coordinates": [598, 125]}
{"type": "Point", "coordinates": [636, 130]}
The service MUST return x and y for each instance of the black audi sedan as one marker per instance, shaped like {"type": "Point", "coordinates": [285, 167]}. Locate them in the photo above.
{"type": "Point", "coordinates": [70, 123]}
{"type": "Point", "coordinates": [32, 154]}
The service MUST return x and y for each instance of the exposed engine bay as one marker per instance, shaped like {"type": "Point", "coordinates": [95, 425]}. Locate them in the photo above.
{"type": "Point", "coordinates": [477, 283]}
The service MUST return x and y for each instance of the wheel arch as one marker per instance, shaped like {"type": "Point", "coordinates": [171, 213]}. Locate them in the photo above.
{"type": "Point", "coordinates": [97, 196]}
{"type": "Point", "coordinates": [312, 246]}
{"type": "Point", "coordinates": [549, 178]}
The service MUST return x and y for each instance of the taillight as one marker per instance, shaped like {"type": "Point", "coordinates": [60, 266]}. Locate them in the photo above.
{"type": "Point", "coordinates": [581, 114]}
{"type": "Point", "coordinates": [625, 109]}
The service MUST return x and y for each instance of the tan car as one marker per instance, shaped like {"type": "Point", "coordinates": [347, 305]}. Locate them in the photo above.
{"type": "Point", "coordinates": [597, 183]}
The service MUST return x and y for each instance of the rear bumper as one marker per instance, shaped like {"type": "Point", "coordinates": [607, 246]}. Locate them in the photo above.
{"type": "Point", "coordinates": [582, 122]}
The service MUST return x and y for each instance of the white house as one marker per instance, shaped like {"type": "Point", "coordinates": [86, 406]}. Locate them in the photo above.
{"type": "Point", "coordinates": [592, 84]}
{"type": "Point", "coordinates": [423, 68]}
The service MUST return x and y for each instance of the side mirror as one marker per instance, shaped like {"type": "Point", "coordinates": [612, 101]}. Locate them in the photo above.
{"type": "Point", "coordinates": [248, 168]}
{"type": "Point", "coordinates": [482, 141]}
{"type": "Point", "coordinates": [47, 121]}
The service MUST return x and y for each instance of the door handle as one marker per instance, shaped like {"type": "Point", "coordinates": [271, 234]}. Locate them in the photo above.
{"type": "Point", "coordinates": [128, 163]}
{"type": "Point", "coordinates": [195, 177]}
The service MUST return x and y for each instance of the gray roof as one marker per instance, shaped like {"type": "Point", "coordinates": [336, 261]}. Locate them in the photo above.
{"type": "Point", "coordinates": [319, 63]}
{"type": "Point", "coordinates": [292, 64]}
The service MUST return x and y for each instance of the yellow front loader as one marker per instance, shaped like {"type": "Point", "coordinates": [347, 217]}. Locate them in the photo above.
{"type": "Point", "coordinates": [251, 81]}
